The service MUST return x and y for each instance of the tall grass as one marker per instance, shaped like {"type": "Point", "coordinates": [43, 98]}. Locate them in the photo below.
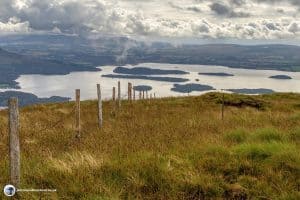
{"type": "Point", "coordinates": [172, 148]}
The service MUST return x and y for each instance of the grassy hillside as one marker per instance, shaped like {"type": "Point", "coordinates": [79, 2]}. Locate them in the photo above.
{"type": "Point", "coordinates": [172, 148]}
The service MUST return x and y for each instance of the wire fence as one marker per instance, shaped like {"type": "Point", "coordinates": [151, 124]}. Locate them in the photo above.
{"type": "Point", "coordinates": [60, 121]}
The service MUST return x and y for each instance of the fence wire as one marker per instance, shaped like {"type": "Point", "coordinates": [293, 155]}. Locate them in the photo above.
{"type": "Point", "coordinates": [64, 117]}
{"type": "Point", "coordinates": [60, 121]}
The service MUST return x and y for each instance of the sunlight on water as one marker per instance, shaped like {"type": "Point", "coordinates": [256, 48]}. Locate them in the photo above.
{"type": "Point", "coordinates": [64, 85]}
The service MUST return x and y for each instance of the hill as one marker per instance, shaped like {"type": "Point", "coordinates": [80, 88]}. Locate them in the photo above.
{"type": "Point", "coordinates": [12, 65]}
{"type": "Point", "coordinates": [121, 50]}
{"type": "Point", "coordinates": [170, 148]}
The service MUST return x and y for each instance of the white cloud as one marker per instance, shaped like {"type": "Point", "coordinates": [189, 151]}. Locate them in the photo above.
{"type": "Point", "coordinates": [154, 18]}
{"type": "Point", "coordinates": [14, 26]}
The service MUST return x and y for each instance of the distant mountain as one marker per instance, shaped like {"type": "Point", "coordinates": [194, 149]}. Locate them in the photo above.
{"type": "Point", "coordinates": [62, 54]}
{"type": "Point", "coordinates": [73, 49]}
{"type": "Point", "coordinates": [274, 57]}
{"type": "Point", "coordinates": [12, 65]}
{"type": "Point", "coordinates": [121, 50]}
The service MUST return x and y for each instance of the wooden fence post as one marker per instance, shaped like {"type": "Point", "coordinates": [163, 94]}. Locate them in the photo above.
{"type": "Point", "coordinates": [14, 144]}
{"type": "Point", "coordinates": [143, 94]}
{"type": "Point", "coordinates": [77, 113]}
{"type": "Point", "coordinates": [133, 94]}
{"type": "Point", "coordinates": [223, 102]}
{"type": "Point", "coordinates": [140, 95]}
{"type": "Point", "coordinates": [114, 94]}
{"type": "Point", "coordinates": [100, 115]}
{"type": "Point", "coordinates": [129, 91]}
{"type": "Point", "coordinates": [119, 94]}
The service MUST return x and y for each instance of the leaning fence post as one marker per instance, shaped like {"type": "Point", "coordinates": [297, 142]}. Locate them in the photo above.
{"type": "Point", "coordinates": [14, 144]}
{"type": "Point", "coordinates": [77, 113]}
{"type": "Point", "coordinates": [114, 94]}
{"type": "Point", "coordinates": [119, 94]}
{"type": "Point", "coordinates": [100, 116]}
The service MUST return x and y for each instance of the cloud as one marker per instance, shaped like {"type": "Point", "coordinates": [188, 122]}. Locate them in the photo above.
{"type": "Point", "coordinates": [292, 2]}
{"type": "Point", "coordinates": [294, 27]}
{"type": "Point", "coordinates": [14, 26]}
{"type": "Point", "coordinates": [238, 2]}
{"type": "Point", "coordinates": [193, 8]}
{"type": "Point", "coordinates": [68, 15]}
{"type": "Point", "coordinates": [154, 18]}
{"type": "Point", "coordinates": [224, 10]}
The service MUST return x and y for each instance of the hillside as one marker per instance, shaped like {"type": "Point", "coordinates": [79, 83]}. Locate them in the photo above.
{"type": "Point", "coordinates": [123, 50]}
{"type": "Point", "coordinates": [12, 65]}
{"type": "Point", "coordinates": [171, 148]}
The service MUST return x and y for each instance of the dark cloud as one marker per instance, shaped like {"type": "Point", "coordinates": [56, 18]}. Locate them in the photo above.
{"type": "Point", "coordinates": [6, 10]}
{"type": "Point", "coordinates": [294, 27]}
{"type": "Point", "coordinates": [280, 10]}
{"type": "Point", "coordinates": [193, 8]}
{"type": "Point", "coordinates": [220, 9]}
{"type": "Point", "coordinates": [224, 10]}
{"type": "Point", "coordinates": [238, 2]}
{"type": "Point", "coordinates": [272, 26]}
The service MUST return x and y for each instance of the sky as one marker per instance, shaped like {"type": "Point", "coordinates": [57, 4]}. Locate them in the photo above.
{"type": "Point", "coordinates": [190, 19]}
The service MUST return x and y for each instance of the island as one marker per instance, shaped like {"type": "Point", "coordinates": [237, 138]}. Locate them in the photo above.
{"type": "Point", "coordinates": [187, 88]}
{"type": "Point", "coordinates": [146, 71]}
{"type": "Point", "coordinates": [216, 74]}
{"type": "Point", "coordinates": [152, 78]}
{"type": "Point", "coordinates": [283, 77]}
{"type": "Point", "coordinates": [28, 98]}
{"type": "Point", "coordinates": [252, 91]}
{"type": "Point", "coordinates": [142, 88]}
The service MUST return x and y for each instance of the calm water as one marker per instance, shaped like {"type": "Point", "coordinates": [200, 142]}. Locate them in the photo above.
{"type": "Point", "coordinates": [64, 85]}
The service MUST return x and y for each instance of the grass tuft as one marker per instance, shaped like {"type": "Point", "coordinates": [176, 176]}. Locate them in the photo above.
{"type": "Point", "coordinates": [236, 136]}
{"type": "Point", "coordinates": [261, 151]}
{"type": "Point", "coordinates": [267, 135]}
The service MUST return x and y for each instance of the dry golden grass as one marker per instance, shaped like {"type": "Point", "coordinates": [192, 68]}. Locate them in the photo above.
{"type": "Point", "coordinates": [172, 148]}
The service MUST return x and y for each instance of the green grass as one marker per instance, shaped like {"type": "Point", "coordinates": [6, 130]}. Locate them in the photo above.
{"type": "Point", "coordinates": [172, 148]}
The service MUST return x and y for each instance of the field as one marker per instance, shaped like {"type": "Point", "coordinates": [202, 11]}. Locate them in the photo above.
{"type": "Point", "coordinates": [170, 148]}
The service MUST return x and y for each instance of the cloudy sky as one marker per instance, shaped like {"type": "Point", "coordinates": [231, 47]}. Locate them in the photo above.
{"type": "Point", "coordinates": [215, 19]}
